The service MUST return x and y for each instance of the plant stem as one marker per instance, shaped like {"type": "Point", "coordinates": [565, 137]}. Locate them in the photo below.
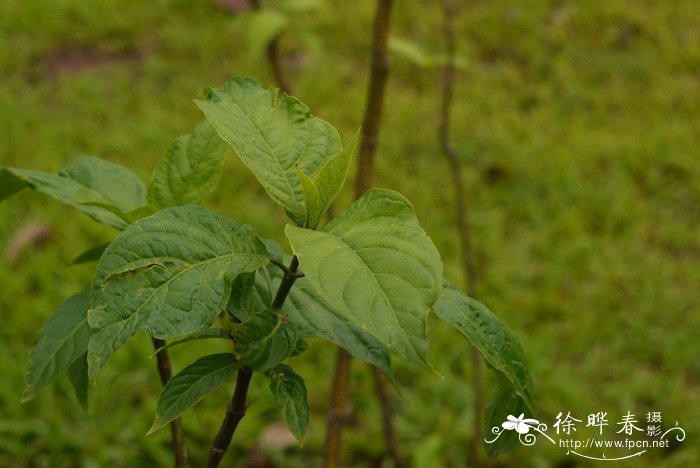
{"type": "Point", "coordinates": [337, 413]}
{"type": "Point", "coordinates": [273, 57]}
{"type": "Point", "coordinates": [463, 230]}
{"type": "Point", "coordinates": [235, 411]}
{"type": "Point", "coordinates": [375, 97]}
{"type": "Point", "coordinates": [177, 437]}
{"type": "Point", "coordinates": [236, 408]}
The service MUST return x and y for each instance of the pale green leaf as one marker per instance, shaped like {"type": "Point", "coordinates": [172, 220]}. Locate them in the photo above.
{"type": "Point", "coordinates": [87, 183]}
{"type": "Point", "coordinates": [290, 392]}
{"type": "Point", "coordinates": [189, 170]}
{"type": "Point", "coordinates": [170, 275]}
{"type": "Point", "coordinates": [78, 375]}
{"type": "Point", "coordinates": [62, 340]}
{"type": "Point", "coordinates": [192, 384]}
{"type": "Point", "coordinates": [272, 133]}
{"type": "Point", "coordinates": [375, 265]}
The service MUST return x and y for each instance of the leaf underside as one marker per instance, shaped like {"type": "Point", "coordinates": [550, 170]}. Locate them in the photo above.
{"type": "Point", "coordinates": [192, 384]}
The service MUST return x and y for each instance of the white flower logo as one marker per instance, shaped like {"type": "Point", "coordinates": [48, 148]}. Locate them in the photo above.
{"type": "Point", "coordinates": [522, 426]}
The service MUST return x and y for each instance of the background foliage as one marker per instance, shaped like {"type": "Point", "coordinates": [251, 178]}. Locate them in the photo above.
{"type": "Point", "coordinates": [579, 125]}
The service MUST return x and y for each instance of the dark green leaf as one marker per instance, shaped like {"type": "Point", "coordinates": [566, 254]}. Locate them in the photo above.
{"type": "Point", "coordinates": [264, 340]}
{"type": "Point", "coordinates": [501, 350]}
{"type": "Point", "coordinates": [213, 332]}
{"type": "Point", "coordinates": [192, 384]}
{"type": "Point", "coordinates": [169, 274]}
{"type": "Point", "coordinates": [290, 392]}
{"type": "Point", "coordinates": [62, 340]}
{"type": "Point", "coordinates": [91, 255]}
{"type": "Point", "coordinates": [78, 375]}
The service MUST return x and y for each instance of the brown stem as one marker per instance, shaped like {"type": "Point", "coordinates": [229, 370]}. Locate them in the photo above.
{"type": "Point", "coordinates": [234, 413]}
{"type": "Point", "coordinates": [463, 229]}
{"type": "Point", "coordinates": [381, 387]}
{"type": "Point", "coordinates": [337, 413]}
{"type": "Point", "coordinates": [177, 437]}
{"type": "Point", "coordinates": [273, 57]}
{"type": "Point", "coordinates": [236, 409]}
{"type": "Point", "coordinates": [375, 97]}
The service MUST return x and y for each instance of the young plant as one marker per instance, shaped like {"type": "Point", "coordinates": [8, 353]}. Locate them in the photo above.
{"type": "Point", "coordinates": [365, 281]}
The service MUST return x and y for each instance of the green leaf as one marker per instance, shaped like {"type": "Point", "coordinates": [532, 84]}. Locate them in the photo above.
{"type": "Point", "coordinates": [62, 340]}
{"type": "Point", "coordinates": [501, 350]}
{"type": "Point", "coordinates": [375, 265]}
{"type": "Point", "coordinates": [116, 183]}
{"type": "Point", "coordinates": [272, 133]}
{"type": "Point", "coordinates": [169, 274]}
{"type": "Point", "coordinates": [90, 255]}
{"type": "Point", "coordinates": [87, 183]}
{"type": "Point", "coordinates": [290, 392]}
{"type": "Point", "coordinates": [78, 375]}
{"type": "Point", "coordinates": [213, 332]}
{"type": "Point", "coordinates": [189, 170]}
{"type": "Point", "coordinates": [264, 340]}
{"type": "Point", "coordinates": [192, 384]}
{"type": "Point", "coordinates": [320, 192]}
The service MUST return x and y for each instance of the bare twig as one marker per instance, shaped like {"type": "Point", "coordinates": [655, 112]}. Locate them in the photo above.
{"type": "Point", "coordinates": [338, 412]}
{"type": "Point", "coordinates": [273, 57]}
{"type": "Point", "coordinates": [177, 437]}
{"type": "Point", "coordinates": [234, 413]}
{"type": "Point", "coordinates": [464, 232]}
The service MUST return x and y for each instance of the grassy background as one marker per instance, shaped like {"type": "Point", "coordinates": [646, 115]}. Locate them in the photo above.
{"type": "Point", "coordinates": [578, 124]}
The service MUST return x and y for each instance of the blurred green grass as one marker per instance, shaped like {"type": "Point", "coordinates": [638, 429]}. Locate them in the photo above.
{"type": "Point", "coordinates": [578, 124]}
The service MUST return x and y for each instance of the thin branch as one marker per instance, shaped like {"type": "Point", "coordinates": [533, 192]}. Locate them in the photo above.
{"type": "Point", "coordinates": [273, 57]}
{"type": "Point", "coordinates": [166, 373]}
{"type": "Point", "coordinates": [463, 229]}
{"type": "Point", "coordinates": [236, 408]}
{"type": "Point", "coordinates": [375, 97]}
{"type": "Point", "coordinates": [338, 411]}
{"type": "Point", "coordinates": [235, 411]}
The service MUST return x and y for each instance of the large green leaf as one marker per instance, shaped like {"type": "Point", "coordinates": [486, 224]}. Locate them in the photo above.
{"type": "Point", "coordinates": [501, 350]}
{"type": "Point", "coordinates": [377, 267]}
{"type": "Point", "coordinates": [192, 384]}
{"type": "Point", "coordinates": [290, 392]}
{"type": "Point", "coordinates": [505, 402]}
{"type": "Point", "coordinates": [169, 274]}
{"type": "Point", "coordinates": [62, 340]}
{"type": "Point", "coordinates": [87, 183]}
{"type": "Point", "coordinates": [189, 170]}
{"type": "Point", "coordinates": [274, 134]}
